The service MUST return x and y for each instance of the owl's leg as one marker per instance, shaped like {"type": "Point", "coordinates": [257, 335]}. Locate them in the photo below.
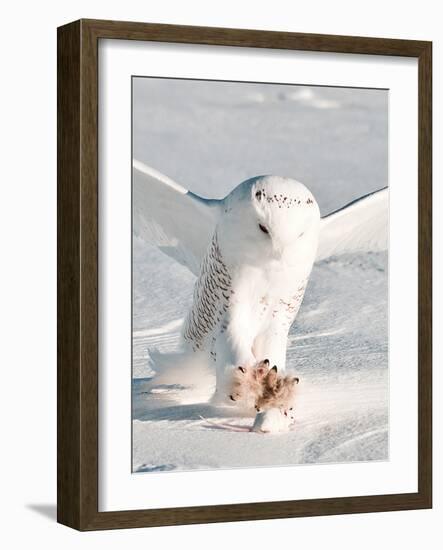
{"type": "Point", "coordinates": [268, 349]}
{"type": "Point", "coordinates": [272, 344]}
{"type": "Point", "coordinates": [235, 375]}
{"type": "Point", "coordinates": [236, 365]}
{"type": "Point", "coordinates": [276, 405]}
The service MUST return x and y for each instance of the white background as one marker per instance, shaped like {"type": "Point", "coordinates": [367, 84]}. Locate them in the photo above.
{"type": "Point", "coordinates": [28, 276]}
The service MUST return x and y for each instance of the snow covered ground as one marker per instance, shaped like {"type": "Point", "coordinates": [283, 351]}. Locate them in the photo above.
{"type": "Point", "coordinates": [209, 137]}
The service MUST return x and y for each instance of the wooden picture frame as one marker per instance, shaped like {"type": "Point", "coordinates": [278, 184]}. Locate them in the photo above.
{"type": "Point", "coordinates": [77, 456]}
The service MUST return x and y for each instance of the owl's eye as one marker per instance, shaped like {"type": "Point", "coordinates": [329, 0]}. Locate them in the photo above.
{"type": "Point", "coordinates": [263, 228]}
{"type": "Point", "coordinates": [258, 195]}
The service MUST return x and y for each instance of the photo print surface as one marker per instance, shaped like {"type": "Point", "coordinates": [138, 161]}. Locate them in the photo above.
{"type": "Point", "coordinates": [260, 275]}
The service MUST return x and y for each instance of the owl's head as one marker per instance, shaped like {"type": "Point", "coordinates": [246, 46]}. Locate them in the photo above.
{"type": "Point", "coordinates": [273, 213]}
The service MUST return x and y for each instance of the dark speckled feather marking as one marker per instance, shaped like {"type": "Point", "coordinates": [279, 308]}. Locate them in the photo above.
{"type": "Point", "coordinates": [212, 292]}
{"type": "Point", "coordinates": [281, 200]}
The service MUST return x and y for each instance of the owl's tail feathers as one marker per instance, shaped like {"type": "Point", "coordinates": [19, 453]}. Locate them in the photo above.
{"type": "Point", "coordinates": [184, 375]}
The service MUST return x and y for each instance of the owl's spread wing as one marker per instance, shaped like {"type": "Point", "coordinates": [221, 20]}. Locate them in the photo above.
{"type": "Point", "coordinates": [360, 226]}
{"type": "Point", "coordinates": [169, 216]}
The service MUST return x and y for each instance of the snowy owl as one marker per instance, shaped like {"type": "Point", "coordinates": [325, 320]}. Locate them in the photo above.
{"type": "Point", "coordinates": [252, 253]}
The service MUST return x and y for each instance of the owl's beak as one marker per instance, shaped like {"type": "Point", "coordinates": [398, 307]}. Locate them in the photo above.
{"type": "Point", "coordinates": [277, 246]}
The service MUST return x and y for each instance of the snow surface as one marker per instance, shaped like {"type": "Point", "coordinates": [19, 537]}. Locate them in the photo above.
{"type": "Point", "coordinates": [209, 136]}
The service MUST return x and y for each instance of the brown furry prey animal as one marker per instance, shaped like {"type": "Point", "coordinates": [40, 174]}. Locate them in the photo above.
{"type": "Point", "coordinates": [264, 388]}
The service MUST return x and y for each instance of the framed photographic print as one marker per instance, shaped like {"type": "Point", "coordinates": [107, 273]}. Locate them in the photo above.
{"type": "Point", "coordinates": [244, 275]}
